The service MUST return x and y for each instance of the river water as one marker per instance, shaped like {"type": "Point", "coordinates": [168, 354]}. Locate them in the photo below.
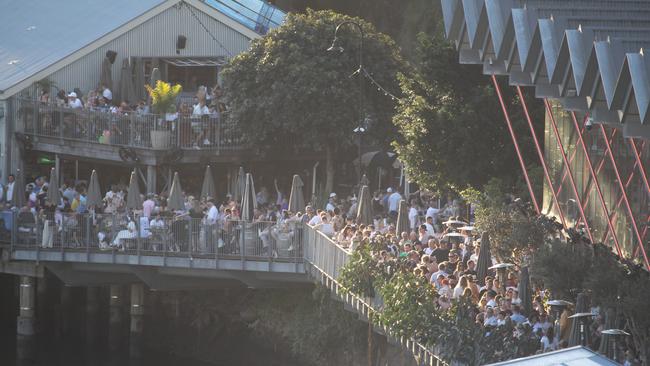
{"type": "Point", "coordinates": [52, 347]}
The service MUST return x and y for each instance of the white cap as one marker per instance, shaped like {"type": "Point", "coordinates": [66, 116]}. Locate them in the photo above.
{"type": "Point", "coordinates": [72, 95]}
{"type": "Point", "coordinates": [389, 190]}
{"type": "Point", "coordinates": [332, 195]}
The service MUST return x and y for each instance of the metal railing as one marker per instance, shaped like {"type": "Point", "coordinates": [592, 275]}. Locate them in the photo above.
{"type": "Point", "coordinates": [131, 129]}
{"type": "Point", "coordinates": [325, 259]}
{"type": "Point", "coordinates": [179, 236]}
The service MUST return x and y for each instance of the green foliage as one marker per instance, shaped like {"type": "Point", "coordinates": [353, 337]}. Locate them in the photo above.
{"type": "Point", "coordinates": [359, 275]}
{"type": "Point", "coordinates": [288, 93]}
{"type": "Point", "coordinates": [410, 306]}
{"type": "Point", "coordinates": [163, 96]}
{"type": "Point", "coordinates": [513, 229]}
{"type": "Point", "coordinates": [451, 128]}
{"type": "Point", "coordinates": [562, 266]}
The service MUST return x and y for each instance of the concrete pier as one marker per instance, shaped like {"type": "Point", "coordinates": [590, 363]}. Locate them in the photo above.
{"type": "Point", "coordinates": [137, 311]}
{"type": "Point", "coordinates": [92, 314]}
{"type": "Point", "coordinates": [26, 320]}
{"type": "Point", "coordinates": [115, 318]}
{"type": "Point", "coordinates": [25, 325]}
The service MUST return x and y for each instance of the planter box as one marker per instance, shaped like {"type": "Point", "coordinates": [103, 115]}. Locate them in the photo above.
{"type": "Point", "coordinates": [160, 140]}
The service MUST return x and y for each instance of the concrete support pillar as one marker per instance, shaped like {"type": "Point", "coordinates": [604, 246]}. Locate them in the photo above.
{"type": "Point", "coordinates": [25, 326]}
{"type": "Point", "coordinates": [65, 313]}
{"type": "Point", "coordinates": [115, 317]}
{"type": "Point", "coordinates": [92, 314]}
{"type": "Point", "coordinates": [151, 179]}
{"type": "Point", "coordinates": [137, 319]}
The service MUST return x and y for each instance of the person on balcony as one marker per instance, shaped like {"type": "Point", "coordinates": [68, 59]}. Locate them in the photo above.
{"type": "Point", "coordinates": [107, 94]}
{"type": "Point", "coordinates": [200, 113]}
{"type": "Point", "coordinates": [74, 102]}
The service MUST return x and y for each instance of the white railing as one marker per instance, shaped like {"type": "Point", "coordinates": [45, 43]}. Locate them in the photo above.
{"type": "Point", "coordinates": [324, 260]}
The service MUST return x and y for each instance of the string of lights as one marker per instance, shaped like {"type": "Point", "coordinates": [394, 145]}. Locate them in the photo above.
{"type": "Point", "coordinates": [207, 30]}
{"type": "Point", "coordinates": [380, 88]}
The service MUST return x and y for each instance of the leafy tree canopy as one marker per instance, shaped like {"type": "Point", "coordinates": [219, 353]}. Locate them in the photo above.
{"type": "Point", "coordinates": [289, 93]}
{"type": "Point", "coordinates": [451, 129]}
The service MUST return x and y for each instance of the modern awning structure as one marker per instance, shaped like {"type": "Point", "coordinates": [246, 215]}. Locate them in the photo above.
{"type": "Point", "coordinates": [567, 357]}
{"type": "Point", "coordinates": [195, 62]}
{"type": "Point", "coordinates": [589, 54]}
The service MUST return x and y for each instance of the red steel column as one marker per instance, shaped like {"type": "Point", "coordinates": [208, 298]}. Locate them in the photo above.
{"type": "Point", "coordinates": [624, 193]}
{"type": "Point", "coordinates": [639, 162]}
{"type": "Point", "coordinates": [540, 154]}
{"type": "Point", "coordinates": [568, 167]}
{"type": "Point", "coordinates": [514, 141]}
{"type": "Point", "coordinates": [594, 178]}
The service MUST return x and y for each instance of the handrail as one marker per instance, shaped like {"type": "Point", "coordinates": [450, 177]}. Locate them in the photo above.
{"type": "Point", "coordinates": [138, 235]}
{"type": "Point", "coordinates": [135, 130]}
{"type": "Point", "coordinates": [327, 258]}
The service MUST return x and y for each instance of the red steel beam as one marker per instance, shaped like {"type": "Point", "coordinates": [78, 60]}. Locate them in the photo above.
{"type": "Point", "coordinates": [620, 200]}
{"type": "Point", "coordinates": [624, 193]}
{"type": "Point", "coordinates": [514, 141]}
{"type": "Point", "coordinates": [594, 178]}
{"type": "Point", "coordinates": [639, 162]}
{"type": "Point", "coordinates": [571, 158]}
{"type": "Point", "coordinates": [568, 167]}
{"type": "Point", "coordinates": [540, 154]}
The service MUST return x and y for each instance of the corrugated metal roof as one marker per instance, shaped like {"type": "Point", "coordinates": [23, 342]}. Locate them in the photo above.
{"type": "Point", "coordinates": [37, 33]}
{"type": "Point", "coordinates": [567, 357]}
{"type": "Point", "coordinates": [584, 52]}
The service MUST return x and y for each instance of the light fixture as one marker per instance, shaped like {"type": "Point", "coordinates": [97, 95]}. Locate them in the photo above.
{"type": "Point", "coordinates": [335, 47]}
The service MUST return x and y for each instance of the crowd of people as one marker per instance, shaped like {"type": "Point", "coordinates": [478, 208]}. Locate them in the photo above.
{"type": "Point", "coordinates": [195, 116]}
{"type": "Point", "coordinates": [202, 225]}
{"type": "Point", "coordinates": [442, 247]}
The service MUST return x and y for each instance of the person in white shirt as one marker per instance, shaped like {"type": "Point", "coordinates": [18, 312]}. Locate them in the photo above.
{"type": "Point", "coordinates": [315, 220]}
{"type": "Point", "coordinates": [393, 202]}
{"type": "Point", "coordinates": [413, 216]}
{"type": "Point", "coordinates": [331, 203]}
{"type": "Point", "coordinates": [490, 318]}
{"type": "Point", "coordinates": [10, 188]}
{"type": "Point", "coordinates": [429, 225]}
{"type": "Point", "coordinates": [432, 211]}
{"type": "Point", "coordinates": [73, 101]}
{"type": "Point", "coordinates": [200, 109]}
{"type": "Point", "coordinates": [107, 94]}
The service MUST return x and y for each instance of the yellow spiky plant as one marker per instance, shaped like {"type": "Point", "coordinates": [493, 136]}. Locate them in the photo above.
{"type": "Point", "coordinates": [163, 97]}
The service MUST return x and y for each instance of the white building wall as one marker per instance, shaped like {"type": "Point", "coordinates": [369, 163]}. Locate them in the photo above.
{"type": "Point", "coordinates": [154, 38]}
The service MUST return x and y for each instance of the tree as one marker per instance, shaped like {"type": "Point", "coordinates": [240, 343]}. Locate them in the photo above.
{"type": "Point", "coordinates": [451, 129]}
{"type": "Point", "coordinates": [290, 95]}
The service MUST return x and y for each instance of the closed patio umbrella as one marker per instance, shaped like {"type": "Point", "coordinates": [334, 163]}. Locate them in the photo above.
{"type": "Point", "coordinates": [574, 334]}
{"type": "Point", "coordinates": [106, 77]}
{"type": "Point", "coordinates": [525, 291]}
{"type": "Point", "coordinates": [364, 210]}
{"type": "Point", "coordinates": [53, 194]}
{"type": "Point", "coordinates": [127, 93]}
{"type": "Point", "coordinates": [484, 259]}
{"type": "Point", "coordinates": [606, 340]}
{"type": "Point", "coordinates": [138, 68]}
{"type": "Point", "coordinates": [240, 185]}
{"type": "Point", "coordinates": [208, 189]}
{"type": "Point", "coordinates": [364, 180]}
{"type": "Point", "coordinates": [249, 201]}
{"type": "Point", "coordinates": [18, 194]}
{"type": "Point", "coordinates": [94, 196]}
{"type": "Point", "coordinates": [175, 201]}
{"type": "Point", "coordinates": [402, 219]}
{"type": "Point", "coordinates": [133, 199]}
{"type": "Point", "coordinates": [297, 197]}
{"type": "Point", "coordinates": [155, 76]}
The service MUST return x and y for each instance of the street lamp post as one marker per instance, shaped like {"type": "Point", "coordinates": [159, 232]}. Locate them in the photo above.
{"type": "Point", "coordinates": [360, 72]}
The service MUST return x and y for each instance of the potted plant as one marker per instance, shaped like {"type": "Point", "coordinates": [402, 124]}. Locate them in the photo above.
{"type": "Point", "coordinates": [163, 103]}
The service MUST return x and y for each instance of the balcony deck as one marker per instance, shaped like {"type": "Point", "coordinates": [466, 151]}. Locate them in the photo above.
{"type": "Point", "coordinates": [151, 139]}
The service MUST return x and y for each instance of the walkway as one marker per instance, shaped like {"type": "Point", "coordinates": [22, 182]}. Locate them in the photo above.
{"type": "Point", "coordinates": [255, 254]}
